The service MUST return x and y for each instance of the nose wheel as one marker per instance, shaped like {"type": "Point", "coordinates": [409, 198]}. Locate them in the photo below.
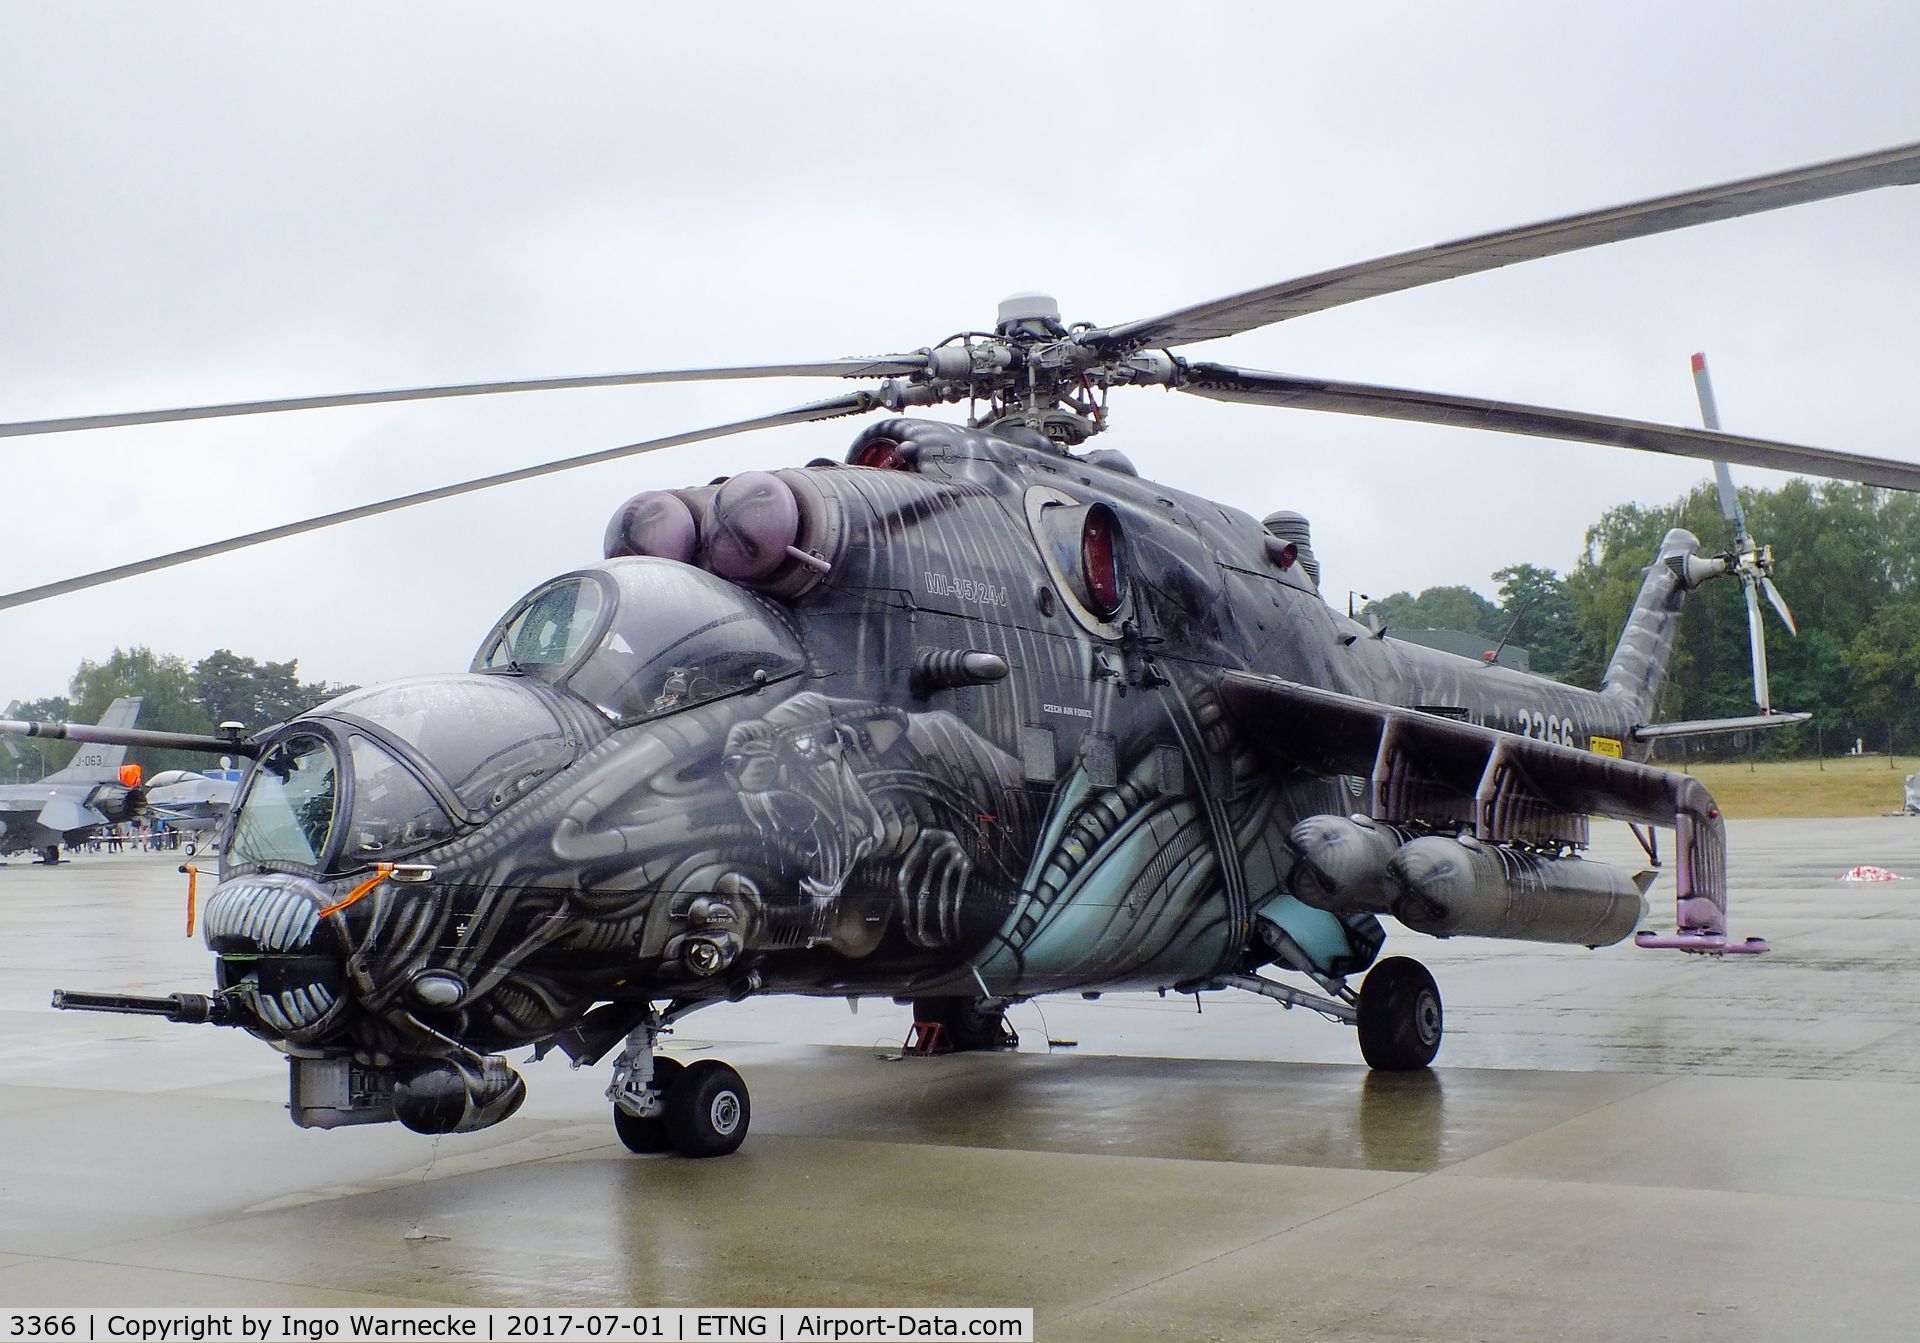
{"type": "Point", "coordinates": [663, 1105]}
{"type": "Point", "coordinates": [707, 1110]}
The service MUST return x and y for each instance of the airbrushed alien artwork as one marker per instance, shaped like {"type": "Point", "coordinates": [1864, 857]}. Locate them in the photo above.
{"type": "Point", "coordinates": [968, 717]}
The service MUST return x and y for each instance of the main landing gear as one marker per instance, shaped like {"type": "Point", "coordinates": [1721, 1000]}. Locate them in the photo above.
{"type": "Point", "coordinates": [50, 854]}
{"type": "Point", "coordinates": [965, 1024]}
{"type": "Point", "coordinates": [1399, 1016]}
{"type": "Point", "coordinates": [662, 1105]}
{"type": "Point", "coordinates": [1397, 1008]}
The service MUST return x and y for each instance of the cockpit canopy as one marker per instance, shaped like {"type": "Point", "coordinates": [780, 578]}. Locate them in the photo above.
{"type": "Point", "coordinates": [639, 637]}
{"type": "Point", "coordinates": [378, 773]}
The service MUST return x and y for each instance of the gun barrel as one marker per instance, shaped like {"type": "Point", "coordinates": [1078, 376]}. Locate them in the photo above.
{"type": "Point", "coordinates": [188, 1007]}
{"type": "Point", "coordinates": [130, 736]}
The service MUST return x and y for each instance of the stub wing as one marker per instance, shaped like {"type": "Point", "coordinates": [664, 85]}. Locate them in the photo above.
{"type": "Point", "coordinates": [1504, 788]}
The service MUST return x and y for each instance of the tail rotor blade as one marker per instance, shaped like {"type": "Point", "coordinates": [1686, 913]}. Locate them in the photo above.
{"type": "Point", "coordinates": [1722, 476]}
{"type": "Point", "coordinates": [1779, 604]}
{"type": "Point", "coordinates": [1757, 637]}
{"type": "Point", "coordinates": [1730, 503]}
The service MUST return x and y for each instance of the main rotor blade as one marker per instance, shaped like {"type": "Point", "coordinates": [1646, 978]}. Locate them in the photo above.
{"type": "Point", "coordinates": [1398, 403]}
{"type": "Point", "coordinates": [885, 366]}
{"type": "Point", "coordinates": [852, 404]}
{"type": "Point", "coordinates": [1489, 251]}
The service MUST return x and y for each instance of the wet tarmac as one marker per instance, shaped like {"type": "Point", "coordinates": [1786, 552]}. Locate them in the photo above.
{"type": "Point", "coordinates": [1618, 1144]}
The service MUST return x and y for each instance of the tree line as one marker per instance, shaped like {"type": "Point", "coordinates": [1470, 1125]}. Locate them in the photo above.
{"type": "Point", "coordinates": [1847, 560]}
{"type": "Point", "coordinates": [221, 687]}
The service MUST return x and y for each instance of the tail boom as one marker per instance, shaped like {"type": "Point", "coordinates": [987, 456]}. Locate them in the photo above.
{"type": "Point", "coordinates": [1638, 671]}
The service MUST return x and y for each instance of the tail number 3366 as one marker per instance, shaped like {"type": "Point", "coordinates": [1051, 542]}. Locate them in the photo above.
{"type": "Point", "coordinates": [1544, 727]}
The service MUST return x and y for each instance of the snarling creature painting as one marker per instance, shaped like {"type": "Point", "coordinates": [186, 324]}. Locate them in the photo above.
{"type": "Point", "coordinates": [908, 807]}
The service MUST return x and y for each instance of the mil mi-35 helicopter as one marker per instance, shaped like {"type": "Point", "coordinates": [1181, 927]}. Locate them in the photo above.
{"type": "Point", "coordinates": [972, 717]}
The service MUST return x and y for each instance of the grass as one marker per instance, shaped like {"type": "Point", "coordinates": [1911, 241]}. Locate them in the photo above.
{"type": "Point", "coordinates": [1839, 786]}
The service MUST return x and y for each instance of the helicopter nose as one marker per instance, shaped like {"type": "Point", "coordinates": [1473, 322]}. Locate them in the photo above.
{"type": "Point", "coordinates": [275, 958]}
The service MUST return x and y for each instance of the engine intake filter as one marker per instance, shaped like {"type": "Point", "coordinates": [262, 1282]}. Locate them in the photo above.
{"type": "Point", "coordinates": [655, 522]}
{"type": "Point", "coordinates": [752, 520]}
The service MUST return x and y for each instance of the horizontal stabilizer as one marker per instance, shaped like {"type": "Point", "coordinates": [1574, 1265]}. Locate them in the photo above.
{"type": "Point", "coordinates": [1707, 727]}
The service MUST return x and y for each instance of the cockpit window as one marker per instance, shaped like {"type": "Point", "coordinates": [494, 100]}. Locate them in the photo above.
{"type": "Point", "coordinates": [288, 813]}
{"type": "Point", "coordinates": [679, 637]}
{"type": "Point", "coordinates": [392, 809]}
{"type": "Point", "coordinates": [551, 626]}
{"type": "Point", "coordinates": [488, 737]}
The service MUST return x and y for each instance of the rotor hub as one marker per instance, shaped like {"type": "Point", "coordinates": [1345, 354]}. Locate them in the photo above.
{"type": "Point", "coordinates": [1032, 370]}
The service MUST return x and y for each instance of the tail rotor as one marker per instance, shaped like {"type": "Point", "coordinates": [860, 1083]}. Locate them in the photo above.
{"type": "Point", "coordinates": [1749, 561]}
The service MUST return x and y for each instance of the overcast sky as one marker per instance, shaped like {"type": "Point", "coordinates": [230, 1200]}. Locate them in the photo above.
{"type": "Point", "coordinates": [209, 202]}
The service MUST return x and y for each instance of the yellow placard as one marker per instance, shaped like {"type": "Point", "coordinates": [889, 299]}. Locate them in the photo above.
{"type": "Point", "coordinates": [1605, 746]}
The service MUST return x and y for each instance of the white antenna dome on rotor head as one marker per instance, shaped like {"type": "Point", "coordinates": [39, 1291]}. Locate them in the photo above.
{"type": "Point", "coordinates": [1038, 313]}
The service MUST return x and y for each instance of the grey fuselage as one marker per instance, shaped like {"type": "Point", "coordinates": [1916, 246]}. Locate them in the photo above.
{"type": "Point", "coordinates": [840, 823]}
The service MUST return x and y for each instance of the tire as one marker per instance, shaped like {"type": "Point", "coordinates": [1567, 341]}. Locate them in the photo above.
{"type": "Point", "coordinates": [1400, 1018]}
{"type": "Point", "coordinates": [647, 1136]}
{"type": "Point", "coordinates": [50, 855]}
{"type": "Point", "coordinates": [707, 1110]}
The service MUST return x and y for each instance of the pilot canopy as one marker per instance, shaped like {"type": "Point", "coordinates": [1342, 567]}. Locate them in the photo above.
{"type": "Point", "coordinates": [638, 637]}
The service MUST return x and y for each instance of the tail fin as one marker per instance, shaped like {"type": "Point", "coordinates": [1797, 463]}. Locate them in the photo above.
{"type": "Point", "coordinates": [101, 764]}
{"type": "Point", "coordinates": [1638, 671]}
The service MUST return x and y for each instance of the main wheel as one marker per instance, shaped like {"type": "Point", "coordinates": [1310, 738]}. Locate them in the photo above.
{"type": "Point", "coordinates": [707, 1110]}
{"type": "Point", "coordinates": [50, 855]}
{"type": "Point", "coordinates": [1399, 1016]}
{"type": "Point", "coordinates": [649, 1135]}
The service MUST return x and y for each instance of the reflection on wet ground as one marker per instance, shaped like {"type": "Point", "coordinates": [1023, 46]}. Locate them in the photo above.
{"type": "Point", "coordinates": [1322, 1115]}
